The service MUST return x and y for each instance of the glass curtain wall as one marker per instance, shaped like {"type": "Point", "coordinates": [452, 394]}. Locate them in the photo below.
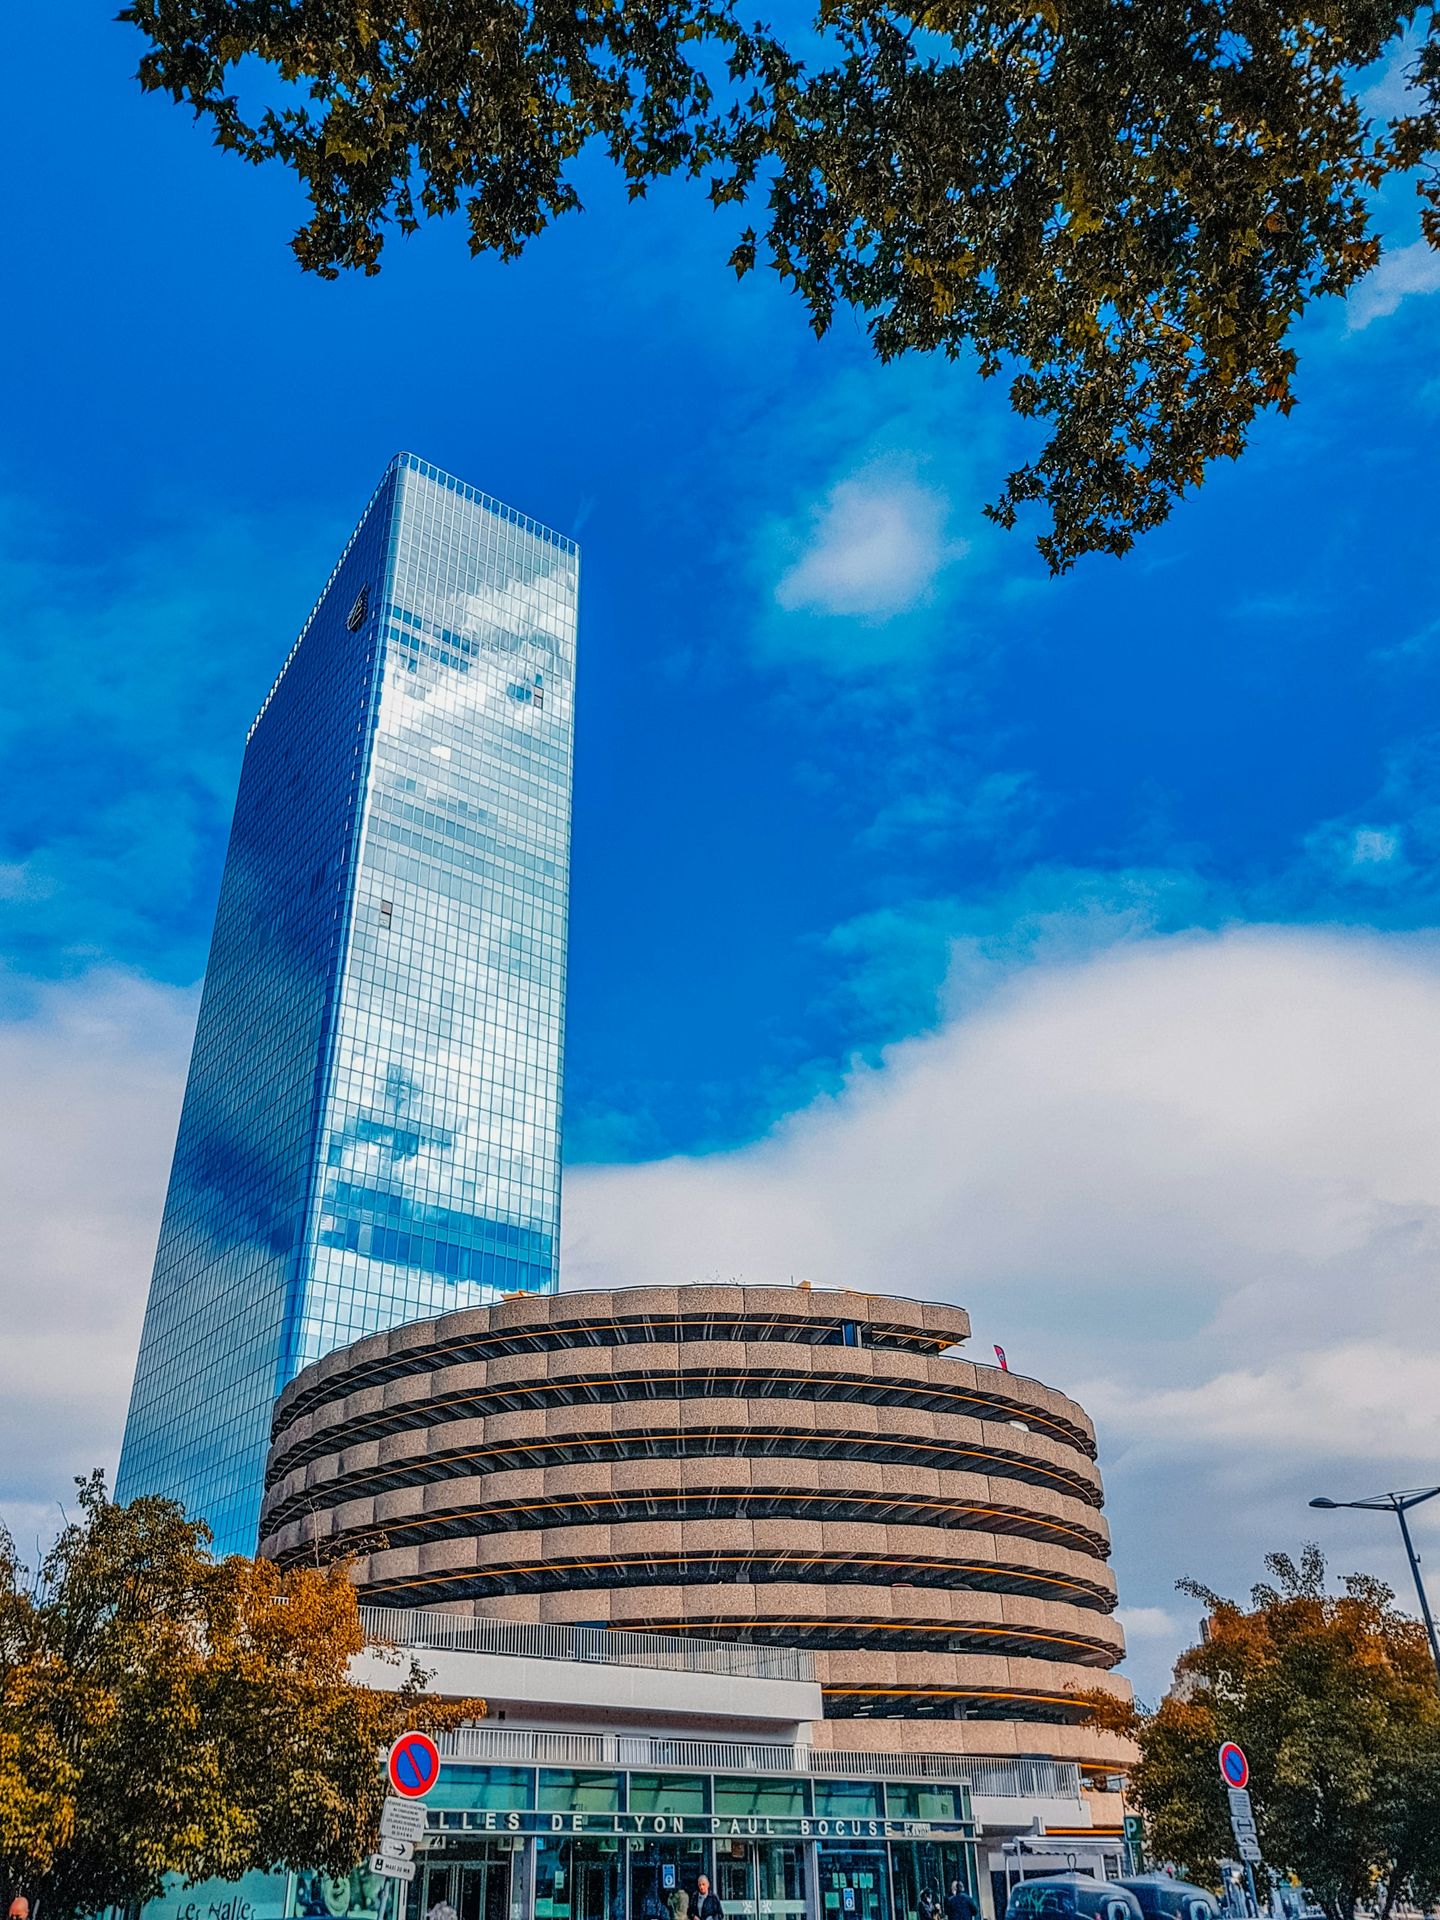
{"type": "Point", "coordinates": [371, 1125]}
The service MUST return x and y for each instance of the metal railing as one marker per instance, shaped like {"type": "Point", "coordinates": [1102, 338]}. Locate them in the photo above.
{"type": "Point", "coordinates": [991, 1779]}
{"type": "Point", "coordinates": [424, 1627]}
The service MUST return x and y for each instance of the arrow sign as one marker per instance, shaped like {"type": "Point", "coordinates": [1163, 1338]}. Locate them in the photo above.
{"type": "Point", "coordinates": [414, 1765]}
{"type": "Point", "coordinates": [401, 1850]}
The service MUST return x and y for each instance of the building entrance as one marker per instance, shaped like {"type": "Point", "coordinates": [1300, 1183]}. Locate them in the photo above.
{"type": "Point", "coordinates": [661, 1870]}
{"type": "Point", "coordinates": [854, 1883]}
{"type": "Point", "coordinates": [762, 1879]}
{"type": "Point", "coordinates": [477, 1889]}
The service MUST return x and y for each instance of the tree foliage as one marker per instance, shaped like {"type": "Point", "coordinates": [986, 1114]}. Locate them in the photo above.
{"type": "Point", "coordinates": [1120, 206]}
{"type": "Point", "coordinates": [1335, 1701]}
{"type": "Point", "coordinates": [165, 1713]}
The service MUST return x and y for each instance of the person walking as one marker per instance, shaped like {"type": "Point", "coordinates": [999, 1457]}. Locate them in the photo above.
{"type": "Point", "coordinates": [678, 1901]}
{"type": "Point", "coordinates": [707, 1906]}
{"type": "Point", "coordinates": [929, 1904]}
{"type": "Point", "coordinates": [959, 1905]}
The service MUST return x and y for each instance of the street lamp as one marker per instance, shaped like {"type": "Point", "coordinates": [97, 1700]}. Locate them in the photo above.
{"type": "Point", "coordinates": [1400, 1504]}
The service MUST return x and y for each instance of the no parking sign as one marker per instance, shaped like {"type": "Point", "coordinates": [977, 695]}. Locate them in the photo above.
{"type": "Point", "coordinates": [414, 1765]}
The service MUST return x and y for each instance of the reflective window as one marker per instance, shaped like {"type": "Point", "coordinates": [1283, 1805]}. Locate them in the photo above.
{"type": "Point", "coordinates": [760, 1796]}
{"type": "Point", "coordinates": [667, 1793]}
{"type": "Point", "coordinates": [847, 1799]}
{"type": "Point", "coordinates": [485, 1788]}
{"type": "Point", "coordinates": [581, 1787]}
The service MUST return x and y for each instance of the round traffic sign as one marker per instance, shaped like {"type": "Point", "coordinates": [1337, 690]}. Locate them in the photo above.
{"type": "Point", "coordinates": [414, 1765]}
{"type": "Point", "coordinates": [1234, 1767]}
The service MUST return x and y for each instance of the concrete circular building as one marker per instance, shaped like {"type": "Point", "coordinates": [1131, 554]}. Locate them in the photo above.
{"type": "Point", "coordinates": [771, 1465]}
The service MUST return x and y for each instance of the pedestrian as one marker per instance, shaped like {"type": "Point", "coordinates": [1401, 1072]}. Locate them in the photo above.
{"type": "Point", "coordinates": [678, 1902]}
{"type": "Point", "coordinates": [959, 1905]}
{"type": "Point", "coordinates": [929, 1904]}
{"type": "Point", "coordinates": [19, 1908]}
{"type": "Point", "coordinates": [707, 1907]}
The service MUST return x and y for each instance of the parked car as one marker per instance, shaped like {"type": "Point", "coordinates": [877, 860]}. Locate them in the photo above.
{"type": "Point", "coordinates": [1071, 1896]}
{"type": "Point", "coordinates": [1162, 1898]}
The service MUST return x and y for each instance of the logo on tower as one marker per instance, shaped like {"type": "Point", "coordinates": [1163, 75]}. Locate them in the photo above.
{"type": "Point", "coordinates": [355, 619]}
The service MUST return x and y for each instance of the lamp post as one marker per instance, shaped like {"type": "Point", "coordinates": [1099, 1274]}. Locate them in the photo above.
{"type": "Point", "coordinates": [1400, 1504]}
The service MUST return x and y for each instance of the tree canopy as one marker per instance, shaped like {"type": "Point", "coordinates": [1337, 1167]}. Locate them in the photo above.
{"type": "Point", "coordinates": [1335, 1701]}
{"type": "Point", "coordinates": [1120, 206]}
{"type": "Point", "coordinates": [165, 1713]}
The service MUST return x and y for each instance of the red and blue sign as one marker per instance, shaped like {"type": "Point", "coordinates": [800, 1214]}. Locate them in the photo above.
{"type": "Point", "coordinates": [414, 1765]}
{"type": "Point", "coordinates": [1234, 1767]}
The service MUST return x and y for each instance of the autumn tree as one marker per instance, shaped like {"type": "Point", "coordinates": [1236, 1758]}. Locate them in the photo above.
{"type": "Point", "coordinates": [1334, 1699]}
{"type": "Point", "coordinates": [162, 1712]}
{"type": "Point", "coordinates": [1120, 208]}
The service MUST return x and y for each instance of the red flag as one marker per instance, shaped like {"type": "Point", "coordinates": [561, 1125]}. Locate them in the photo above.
{"type": "Point", "coordinates": [1000, 1356]}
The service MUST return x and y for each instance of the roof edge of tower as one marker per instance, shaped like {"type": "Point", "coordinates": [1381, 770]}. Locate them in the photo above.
{"type": "Point", "coordinates": [430, 471]}
{"type": "Point", "coordinates": [359, 527]}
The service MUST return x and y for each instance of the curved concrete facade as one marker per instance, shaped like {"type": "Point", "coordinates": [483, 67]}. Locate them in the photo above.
{"type": "Point", "coordinates": [778, 1465]}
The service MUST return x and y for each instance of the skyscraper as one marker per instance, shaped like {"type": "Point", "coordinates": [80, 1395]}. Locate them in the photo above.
{"type": "Point", "coordinates": [371, 1126]}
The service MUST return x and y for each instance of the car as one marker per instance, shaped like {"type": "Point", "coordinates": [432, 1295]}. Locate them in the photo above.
{"type": "Point", "coordinates": [1071, 1896]}
{"type": "Point", "coordinates": [1164, 1898]}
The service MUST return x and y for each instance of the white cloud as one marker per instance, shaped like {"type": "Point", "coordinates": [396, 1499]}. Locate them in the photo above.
{"type": "Point", "coordinates": [93, 1076]}
{"type": "Point", "coordinates": [1380, 1391]}
{"type": "Point", "coordinates": [1401, 272]}
{"type": "Point", "coordinates": [1192, 1180]}
{"type": "Point", "coordinates": [1386, 92]}
{"type": "Point", "coordinates": [874, 548]}
{"type": "Point", "coordinates": [1374, 846]}
{"type": "Point", "coordinates": [1148, 1623]}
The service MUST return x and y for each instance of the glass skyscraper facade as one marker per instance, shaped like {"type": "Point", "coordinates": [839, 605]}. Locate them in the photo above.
{"type": "Point", "coordinates": [371, 1126]}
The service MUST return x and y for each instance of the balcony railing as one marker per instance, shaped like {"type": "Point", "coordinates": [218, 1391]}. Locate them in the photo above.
{"type": "Point", "coordinates": [992, 1779]}
{"type": "Point", "coordinates": [425, 1627]}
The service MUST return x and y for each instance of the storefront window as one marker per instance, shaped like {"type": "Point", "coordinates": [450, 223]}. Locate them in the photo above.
{"type": "Point", "coordinates": [262, 1896]}
{"type": "Point", "coordinates": [582, 1787]}
{"type": "Point", "coordinates": [740, 1796]}
{"type": "Point", "coordinates": [847, 1800]}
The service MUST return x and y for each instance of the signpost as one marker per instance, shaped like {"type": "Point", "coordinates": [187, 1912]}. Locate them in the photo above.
{"type": "Point", "coordinates": [413, 1767]}
{"type": "Point", "coordinates": [1235, 1772]}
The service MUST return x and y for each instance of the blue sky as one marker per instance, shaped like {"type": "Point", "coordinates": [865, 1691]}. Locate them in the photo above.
{"type": "Point", "coordinates": [864, 799]}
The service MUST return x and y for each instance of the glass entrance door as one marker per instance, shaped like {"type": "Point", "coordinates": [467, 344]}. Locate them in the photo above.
{"type": "Point", "coordinates": [477, 1889]}
{"type": "Point", "coordinates": [735, 1880]}
{"type": "Point", "coordinates": [854, 1882]}
{"type": "Point", "coordinates": [780, 1880]}
{"type": "Point", "coordinates": [664, 1876]}
{"type": "Point", "coordinates": [761, 1879]}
